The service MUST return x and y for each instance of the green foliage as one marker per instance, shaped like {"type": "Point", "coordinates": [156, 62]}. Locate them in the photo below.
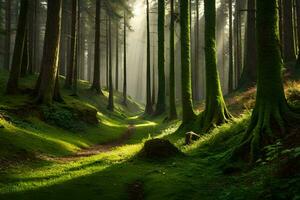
{"type": "Point", "coordinates": [62, 118]}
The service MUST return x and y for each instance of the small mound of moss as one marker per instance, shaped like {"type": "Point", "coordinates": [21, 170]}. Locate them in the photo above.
{"type": "Point", "coordinates": [159, 148]}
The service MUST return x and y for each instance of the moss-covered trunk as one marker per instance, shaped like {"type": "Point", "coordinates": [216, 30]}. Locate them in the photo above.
{"type": "Point", "coordinates": [13, 80]}
{"type": "Point", "coordinates": [96, 80]}
{"type": "Point", "coordinates": [215, 112]}
{"type": "Point", "coordinates": [271, 114]}
{"type": "Point", "coordinates": [161, 97]}
{"type": "Point", "coordinates": [172, 102]}
{"type": "Point", "coordinates": [50, 58]}
{"type": "Point", "coordinates": [148, 108]}
{"type": "Point", "coordinates": [188, 114]}
{"type": "Point", "coordinates": [7, 34]}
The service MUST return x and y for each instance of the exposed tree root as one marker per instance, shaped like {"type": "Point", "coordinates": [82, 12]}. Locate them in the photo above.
{"type": "Point", "coordinates": [269, 123]}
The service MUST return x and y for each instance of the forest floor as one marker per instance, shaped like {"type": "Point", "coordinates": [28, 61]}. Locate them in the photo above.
{"type": "Point", "coordinates": [52, 153]}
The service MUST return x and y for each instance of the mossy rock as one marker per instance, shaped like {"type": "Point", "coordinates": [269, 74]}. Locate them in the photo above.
{"type": "Point", "coordinates": [159, 148]}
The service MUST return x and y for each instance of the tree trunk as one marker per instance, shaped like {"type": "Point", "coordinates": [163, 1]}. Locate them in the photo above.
{"type": "Point", "coordinates": [110, 106]}
{"type": "Point", "coordinates": [117, 57]}
{"type": "Point", "coordinates": [271, 115]}
{"type": "Point", "coordinates": [249, 71]}
{"type": "Point", "coordinates": [77, 51]}
{"type": "Point", "coordinates": [188, 114]}
{"type": "Point", "coordinates": [31, 37]}
{"type": "Point", "coordinates": [51, 53]}
{"type": "Point", "coordinates": [97, 62]}
{"type": "Point", "coordinates": [125, 66]}
{"type": "Point", "coordinates": [7, 34]}
{"type": "Point", "coordinates": [230, 73]}
{"type": "Point", "coordinates": [215, 112]}
{"type": "Point", "coordinates": [107, 54]}
{"type": "Point", "coordinates": [71, 65]}
{"type": "Point", "coordinates": [148, 108]}
{"type": "Point", "coordinates": [289, 54]}
{"type": "Point", "coordinates": [161, 102]}
{"type": "Point", "coordinates": [298, 31]}
{"type": "Point", "coordinates": [13, 81]}
{"type": "Point", "coordinates": [25, 56]}
{"type": "Point", "coordinates": [173, 112]}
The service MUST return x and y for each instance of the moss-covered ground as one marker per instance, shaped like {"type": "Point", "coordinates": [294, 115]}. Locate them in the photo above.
{"type": "Point", "coordinates": [30, 137]}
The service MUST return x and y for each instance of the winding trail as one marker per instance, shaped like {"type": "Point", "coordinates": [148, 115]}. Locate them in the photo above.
{"type": "Point", "coordinates": [96, 149]}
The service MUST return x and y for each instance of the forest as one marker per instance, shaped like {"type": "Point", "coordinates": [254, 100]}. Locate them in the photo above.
{"type": "Point", "coordinates": [149, 99]}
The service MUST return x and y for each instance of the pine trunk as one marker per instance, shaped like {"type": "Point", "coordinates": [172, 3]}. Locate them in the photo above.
{"type": "Point", "coordinates": [7, 34]}
{"type": "Point", "coordinates": [13, 81]}
{"type": "Point", "coordinates": [97, 62]}
{"type": "Point", "coordinates": [148, 108]}
{"type": "Point", "coordinates": [110, 106]}
{"type": "Point", "coordinates": [125, 66]}
{"type": "Point", "coordinates": [215, 112]}
{"type": "Point", "coordinates": [50, 53]}
{"type": "Point", "coordinates": [161, 102]}
{"type": "Point", "coordinates": [288, 34]}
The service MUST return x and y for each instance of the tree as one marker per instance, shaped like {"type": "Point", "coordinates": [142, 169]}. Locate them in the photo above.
{"type": "Point", "coordinates": [230, 73]}
{"type": "Point", "coordinates": [13, 81]}
{"type": "Point", "coordinates": [249, 70]}
{"type": "Point", "coordinates": [7, 34]}
{"type": "Point", "coordinates": [96, 80]}
{"type": "Point", "coordinates": [125, 66]}
{"type": "Point", "coordinates": [25, 56]}
{"type": "Point", "coordinates": [110, 86]}
{"type": "Point", "coordinates": [288, 34]}
{"type": "Point", "coordinates": [161, 104]}
{"type": "Point", "coordinates": [172, 112]}
{"type": "Point", "coordinates": [215, 112]}
{"type": "Point", "coordinates": [188, 114]}
{"type": "Point", "coordinates": [271, 115]}
{"type": "Point", "coordinates": [49, 74]}
{"type": "Point", "coordinates": [117, 56]}
{"type": "Point", "coordinates": [148, 108]}
{"type": "Point", "coordinates": [72, 61]}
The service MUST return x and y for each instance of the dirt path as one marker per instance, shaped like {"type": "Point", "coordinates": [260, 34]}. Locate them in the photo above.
{"type": "Point", "coordinates": [94, 150]}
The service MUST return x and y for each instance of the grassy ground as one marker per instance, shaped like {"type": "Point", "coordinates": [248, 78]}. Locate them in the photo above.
{"type": "Point", "coordinates": [119, 173]}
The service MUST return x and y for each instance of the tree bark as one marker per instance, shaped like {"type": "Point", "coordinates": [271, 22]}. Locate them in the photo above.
{"type": "Point", "coordinates": [110, 106]}
{"type": "Point", "coordinates": [188, 114]}
{"type": "Point", "coordinates": [148, 108]}
{"type": "Point", "coordinates": [71, 65]}
{"type": "Point", "coordinates": [215, 112]}
{"type": "Point", "coordinates": [288, 33]}
{"type": "Point", "coordinates": [97, 59]}
{"type": "Point", "coordinates": [125, 65]}
{"type": "Point", "coordinates": [7, 34]}
{"type": "Point", "coordinates": [51, 53]}
{"type": "Point", "coordinates": [117, 57]}
{"type": "Point", "coordinates": [230, 73]}
{"type": "Point", "coordinates": [249, 71]}
{"type": "Point", "coordinates": [13, 81]}
{"type": "Point", "coordinates": [161, 102]}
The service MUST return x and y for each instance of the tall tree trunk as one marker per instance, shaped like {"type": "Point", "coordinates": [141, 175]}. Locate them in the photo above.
{"type": "Point", "coordinates": [173, 112]}
{"type": "Point", "coordinates": [271, 115]}
{"type": "Point", "coordinates": [63, 40]}
{"type": "Point", "coordinates": [125, 66]}
{"type": "Point", "coordinates": [230, 73]}
{"type": "Point", "coordinates": [107, 53]}
{"type": "Point", "coordinates": [249, 71]}
{"type": "Point", "coordinates": [51, 53]}
{"type": "Point", "coordinates": [37, 64]}
{"type": "Point", "coordinates": [7, 34]}
{"type": "Point", "coordinates": [197, 67]}
{"type": "Point", "coordinates": [117, 57]}
{"type": "Point", "coordinates": [25, 56]}
{"type": "Point", "coordinates": [97, 62]}
{"type": "Point", "coordinates": [148, 108]}
{"type": "Point", "coordinates": [71, 65]}
{"type": "Point", "coordinates": [188, 114]}
{"type": "Point", "coordinates": [110, 106]}
{"type": "Point", "coordinates": [13, 81]}
{"type": "Point", "coordinates": [161, 102]}
{"type": "Point", "coordinates": [77, 51]}
{"type": "Point", "coordinates": [288, 33]}
{"type": "Point", "coordinates": [31, 37]}
{"type": "Point", "coordinates": [215, 112]}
